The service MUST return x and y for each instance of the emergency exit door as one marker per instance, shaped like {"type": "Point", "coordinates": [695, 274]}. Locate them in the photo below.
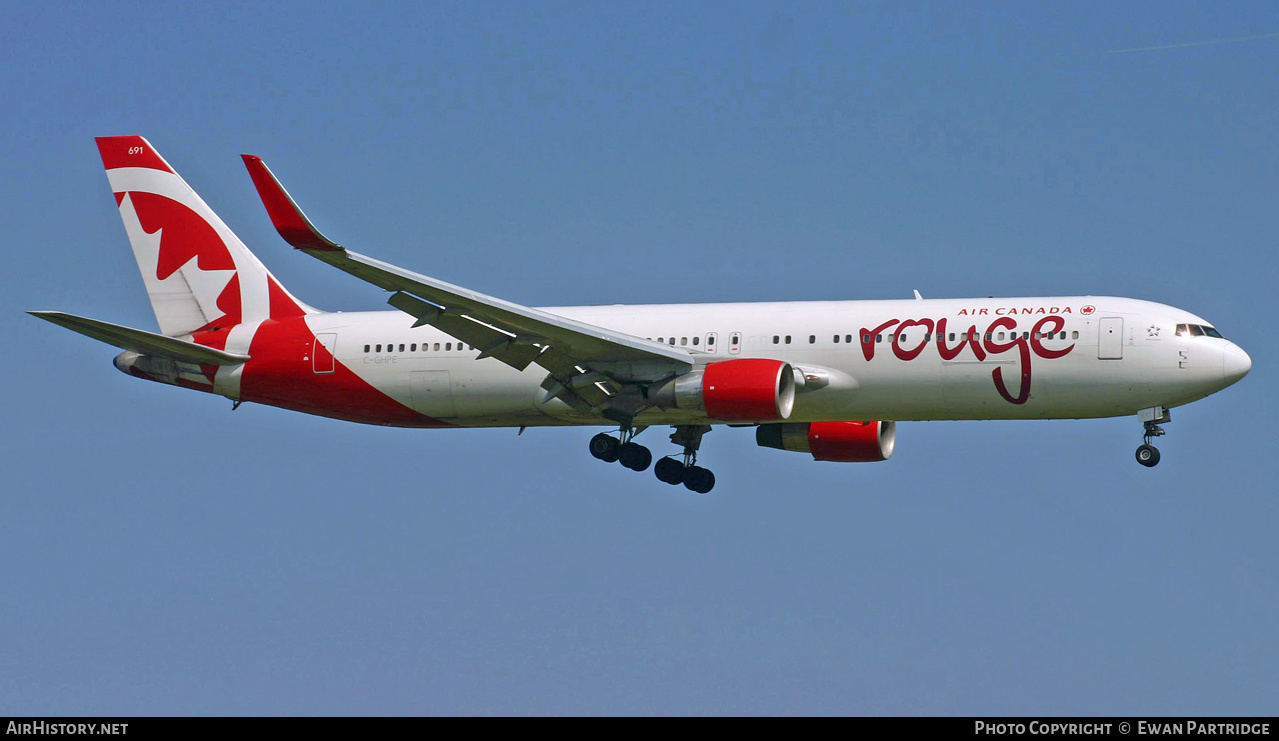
{"type": "Point", "coordinates": [322, 353]}
{"type": "Point", "coordinates": [1110, 341]}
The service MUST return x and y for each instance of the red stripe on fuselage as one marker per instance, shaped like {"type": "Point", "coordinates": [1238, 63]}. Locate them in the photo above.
{"type": "Point", "coordinates": [281, 374]}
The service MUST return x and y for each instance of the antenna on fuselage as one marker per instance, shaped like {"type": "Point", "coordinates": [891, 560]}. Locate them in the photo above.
{"type": "Point", "coordinates": [917, 296]}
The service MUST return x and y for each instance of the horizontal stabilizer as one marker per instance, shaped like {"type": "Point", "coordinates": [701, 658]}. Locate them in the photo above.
{"type": "Point", "coordinates": [144, 343]}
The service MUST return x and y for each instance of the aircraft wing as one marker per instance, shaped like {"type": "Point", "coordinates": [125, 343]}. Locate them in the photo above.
{"type": "Point", "coordinates": [575, 353]}
{"type": "Point", "coordinates": [141, 342]}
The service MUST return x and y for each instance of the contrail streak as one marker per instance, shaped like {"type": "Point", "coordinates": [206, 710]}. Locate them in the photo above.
{"type": "Point", "coordinates": [1196, 43]}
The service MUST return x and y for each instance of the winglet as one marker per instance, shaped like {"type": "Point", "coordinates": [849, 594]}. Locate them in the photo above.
{"type": "Point", "coordinates": [288, 219]}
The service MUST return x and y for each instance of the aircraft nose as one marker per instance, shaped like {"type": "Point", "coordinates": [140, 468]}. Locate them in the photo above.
{"type": "Point", "coordinates": [1235, 363]}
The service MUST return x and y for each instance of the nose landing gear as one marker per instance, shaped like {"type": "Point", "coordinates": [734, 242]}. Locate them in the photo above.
{"type": "Point", "coordinates": [1147, 454]}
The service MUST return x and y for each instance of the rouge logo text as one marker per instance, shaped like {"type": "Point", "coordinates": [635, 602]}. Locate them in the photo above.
{"type": "Point", "coordinates": [1026, 344]}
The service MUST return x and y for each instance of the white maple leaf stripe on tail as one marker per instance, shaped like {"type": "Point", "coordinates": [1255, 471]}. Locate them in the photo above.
{"type": "Point", "coordinates": [198, 273]}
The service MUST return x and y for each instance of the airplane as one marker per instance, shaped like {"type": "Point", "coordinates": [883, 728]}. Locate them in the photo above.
{"type": "Point", "coordinates": [827, 378]}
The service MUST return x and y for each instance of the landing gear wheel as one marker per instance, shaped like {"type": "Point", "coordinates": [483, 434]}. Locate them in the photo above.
{"type": "Point", "coordinates": [669, 471]}
{"type": "Point", "coordinates": [604, 447]}
{"type": "Point", "coordinates": [1148, 455]}
{"type": "Point", "coordinates": [699, 479]}
{"type": "Point", "coordinates": [634, 456]}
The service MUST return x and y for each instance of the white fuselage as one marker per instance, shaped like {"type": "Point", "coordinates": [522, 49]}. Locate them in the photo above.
{"type": "Point", "coordinates": [1092, 356]}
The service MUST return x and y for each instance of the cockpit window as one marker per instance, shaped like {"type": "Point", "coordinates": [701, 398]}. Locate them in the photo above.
{"type": "Point", "coordinates": [1197, 330]}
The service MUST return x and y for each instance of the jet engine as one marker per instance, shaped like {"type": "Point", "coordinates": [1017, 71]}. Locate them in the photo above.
{"type": "Point", "coordinates": [741, 390]}
{"type": "Point", "coordinates": [847, 442]}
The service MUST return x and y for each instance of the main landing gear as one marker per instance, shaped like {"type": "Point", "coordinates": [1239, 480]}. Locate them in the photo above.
{"type": "Point", "coordinates": [629, 453]}
{"type": "Point", "coordinates": [1147, 454]}
{"type": "Point", "coordinates": [670, 469]}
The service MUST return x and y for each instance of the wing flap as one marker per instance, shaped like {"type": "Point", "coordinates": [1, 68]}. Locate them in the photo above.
{"type": "Point", "coordinates": [141, 342]}
{"type": "Point", "coordinates": [492, 342]}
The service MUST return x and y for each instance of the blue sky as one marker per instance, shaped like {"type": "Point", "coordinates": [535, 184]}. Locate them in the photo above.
{"type": "Point", "coordinates": [164, 555]}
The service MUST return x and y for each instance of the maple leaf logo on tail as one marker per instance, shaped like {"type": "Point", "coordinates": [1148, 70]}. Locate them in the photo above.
{"type": "Point", "coordinates": [199, 275]}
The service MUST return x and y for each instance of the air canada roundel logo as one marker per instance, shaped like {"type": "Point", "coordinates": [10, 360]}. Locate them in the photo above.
{"type": "Point", "coordinates": [1086, 310]}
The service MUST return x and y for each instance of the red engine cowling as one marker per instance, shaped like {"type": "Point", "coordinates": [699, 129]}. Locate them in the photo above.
{"type": "Point", "coordinates": [741, 390]}
{"type": "Point", "coordinates": [846, 442]}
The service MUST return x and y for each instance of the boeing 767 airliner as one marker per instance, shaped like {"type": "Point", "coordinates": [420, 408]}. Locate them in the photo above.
{"type": "Point", "coordinates": [828, 378]}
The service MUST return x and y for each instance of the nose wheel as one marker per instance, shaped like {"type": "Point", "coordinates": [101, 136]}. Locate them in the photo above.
{"type": "Point", "coordinates": [1147, 454]}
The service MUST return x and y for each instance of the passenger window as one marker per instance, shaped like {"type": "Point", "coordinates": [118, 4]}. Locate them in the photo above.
{"type": "Point", "coordinates": [672, 342]}
{"type": "Point", "coordinates": [775, 338]}
{"type": "Point", "coordinates": [735, 339]}
{"type": "Point", "coordinates": [694, 342]}
{"type": "Point", "coordinates": [660, 339]}
{"type": "Point", "coordinates": [787, 339]}
{"type": "Point", "coordinates": [401, 348]}
{"type": "Point", "coordinates": [379, 348]}
{"type": "Point", "coordinates": [711, 340]}
{"type": "Point", "coordinates": [437, 346]}
{"type": "Point", "coordinates": [448, 346]}
{"type": "Point", "coordinates": [879, 338]}
{"type": "Point", "coordinates": [952, 336]}
{"type": "Point", "coordinates": [812, 339]}
{"type": "Point", "coordinates": [865, 339]}
{"type": "Point", "coordinates": [836, 339]}
{"type": "Point", "coordinates": [1001, 337]}
{"type": "Point", "coordinates": [848, 338]}
{"type": "Point", "coordinates": [366, 348]}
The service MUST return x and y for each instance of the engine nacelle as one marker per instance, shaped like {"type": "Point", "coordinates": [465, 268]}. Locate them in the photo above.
{"type": "Point", "coordinates": [741, 390]}
{"type": "Point", "coordinates": [846, 442]}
